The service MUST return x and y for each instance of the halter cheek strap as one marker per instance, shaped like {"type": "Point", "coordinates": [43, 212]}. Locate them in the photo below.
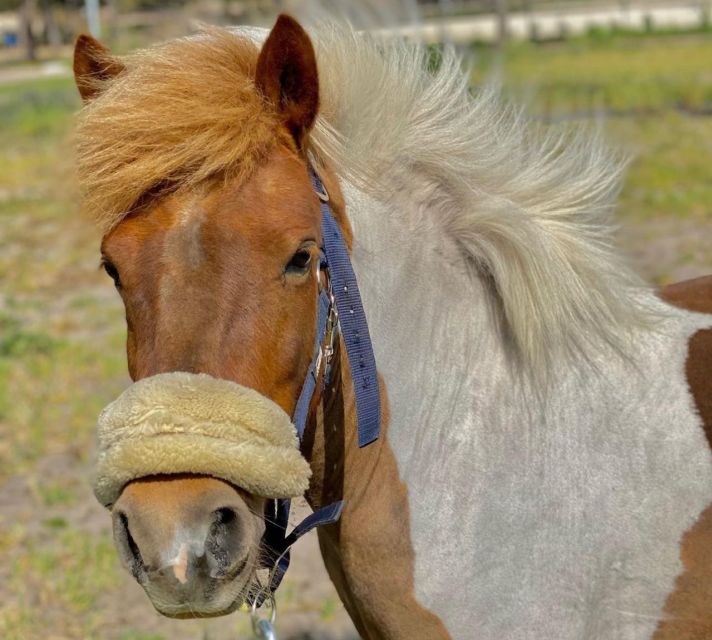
{"type": "Point", "coordinates": [340, 310]}
{"type": "Point", "coordinates": [352, 319]}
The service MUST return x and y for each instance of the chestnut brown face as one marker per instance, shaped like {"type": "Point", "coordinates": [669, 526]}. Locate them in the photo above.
{"type": "Point", "coordinates": [218, 279]}
{"type": "Point", "coordinates": [223, 282]}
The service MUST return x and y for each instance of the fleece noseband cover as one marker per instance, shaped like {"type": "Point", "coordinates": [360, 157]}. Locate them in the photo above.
{"type": "Point", "coordinates": [193, 423]}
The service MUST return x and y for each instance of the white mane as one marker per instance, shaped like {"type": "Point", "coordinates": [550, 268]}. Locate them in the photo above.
{"type": "Point", "coordinates": [530, 211]}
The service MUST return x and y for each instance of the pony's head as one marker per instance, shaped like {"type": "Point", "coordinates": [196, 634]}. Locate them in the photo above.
{"type": "Point", "coordinates": [193, 156]}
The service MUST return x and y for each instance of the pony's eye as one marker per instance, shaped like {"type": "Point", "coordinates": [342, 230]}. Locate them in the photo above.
{"type": "Point", "coordinates": [112, 272]}
{"type": "Point", "coordinates": [300, 262]}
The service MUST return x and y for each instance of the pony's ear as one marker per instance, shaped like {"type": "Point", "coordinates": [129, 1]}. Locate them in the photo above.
{"type": "Point", "coordinates": [287, 76]}
{"type": "Point", "coordinates": [92, 64]}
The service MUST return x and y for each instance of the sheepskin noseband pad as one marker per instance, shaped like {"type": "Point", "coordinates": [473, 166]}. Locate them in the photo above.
{"type": "Point", "coordinates": [193, 423]}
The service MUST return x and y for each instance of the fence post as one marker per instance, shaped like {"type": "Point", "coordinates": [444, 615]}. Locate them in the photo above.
{"type": "Point", "coordinates": [501, 8]}
{"type": "Point", "coordinates": [93, 22]}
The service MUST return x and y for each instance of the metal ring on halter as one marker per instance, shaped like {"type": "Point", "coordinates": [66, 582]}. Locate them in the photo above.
{"type": "Point", "coordinates": [262, 628]}
{"type": "Point", "coordinates": [323, 195]}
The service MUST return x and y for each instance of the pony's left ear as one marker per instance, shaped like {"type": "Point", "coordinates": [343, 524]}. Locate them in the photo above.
{"type": "Point", "coordinates": [287, 76]}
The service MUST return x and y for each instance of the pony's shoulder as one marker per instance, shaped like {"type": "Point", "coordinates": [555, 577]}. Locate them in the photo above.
{"type": "Point", "coordinates": [696, 295]}
{"type": "Point", "coordinates": [687, 609]}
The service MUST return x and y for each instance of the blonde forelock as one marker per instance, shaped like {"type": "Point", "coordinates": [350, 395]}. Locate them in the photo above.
{"type": "Point", "coordinates": [180, 113]}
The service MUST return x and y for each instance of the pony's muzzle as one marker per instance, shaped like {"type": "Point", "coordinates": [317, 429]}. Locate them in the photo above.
{"type": "Point", "coordinates": [195, 554]}
{"type": "Point", "coordinates": [186, 463]}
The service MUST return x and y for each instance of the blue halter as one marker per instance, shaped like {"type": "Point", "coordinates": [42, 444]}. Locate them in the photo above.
{"type": "Point", "coordinates": [340, 310]}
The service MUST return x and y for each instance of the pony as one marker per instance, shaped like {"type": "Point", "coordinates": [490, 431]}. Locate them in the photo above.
{"type": "Point", "coordinates": [544, 466]}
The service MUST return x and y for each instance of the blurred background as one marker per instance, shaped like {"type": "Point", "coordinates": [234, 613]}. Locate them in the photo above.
{"type": "Point", "coordinates": [640, 71]}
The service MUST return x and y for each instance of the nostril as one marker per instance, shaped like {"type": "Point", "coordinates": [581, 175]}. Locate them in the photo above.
{"type": "Point", "coordinates": [127, 546]}
{"type": "Point", "coordinates": [223, 541]}
{"type": "Point", "coordinates": [225, 516]}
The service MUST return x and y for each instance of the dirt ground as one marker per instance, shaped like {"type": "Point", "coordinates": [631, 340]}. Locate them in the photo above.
{"type": "Point", "coordinates": [308, 606]}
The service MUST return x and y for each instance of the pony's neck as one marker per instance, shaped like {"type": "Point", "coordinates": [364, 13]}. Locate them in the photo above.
{"type": "Point", "coordinates": [368, 553]}
{"type": "Point", "coordinates": [438, 337]}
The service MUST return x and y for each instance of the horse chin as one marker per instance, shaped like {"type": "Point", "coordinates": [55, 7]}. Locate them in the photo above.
{"type": "Point", "coordinates": [218, 599]}
{"type": "Point", "coordinates": [187, 611]}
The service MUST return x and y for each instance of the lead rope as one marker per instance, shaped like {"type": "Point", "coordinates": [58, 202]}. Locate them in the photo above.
{"type": "Point", "coordinates": [340, 311]}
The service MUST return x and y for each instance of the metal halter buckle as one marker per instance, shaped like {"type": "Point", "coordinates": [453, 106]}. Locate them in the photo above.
{"type": "Point", "coordinates": [326, 352]}
{"type": "Point", "coordinates": [323, 194]}
{"type": "Point", "coordinates": [264, 628]}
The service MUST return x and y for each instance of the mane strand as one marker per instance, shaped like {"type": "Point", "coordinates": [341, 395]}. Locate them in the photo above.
{"type": "Point", "coordinates": [181, 112]}
{"type": "Point", "coordinates": [532, 210]}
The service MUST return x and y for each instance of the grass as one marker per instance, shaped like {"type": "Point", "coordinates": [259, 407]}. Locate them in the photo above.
{"type": "Point", "coordinates": [62, 573]}
{"type": "Point", "coordinates": [50, 378]}
{"type": "Point", "coordinates": [651, 94]}
{"type": "Point", "coordinates": [56, 494]}
{"type": "Point", "coordinates": [62, 329]}
{"type": "Point", "coordinates": [59, 363]}
{"type": "Point", "coordinates": [37, 109]}
{"type": "Point", "coordinates": [623, 74]}
{"type": "Point", "coordinates": [669, 175]}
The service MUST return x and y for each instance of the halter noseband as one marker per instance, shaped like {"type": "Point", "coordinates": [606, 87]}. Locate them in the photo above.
{"type": "Point", "coordinates": [340, 312]}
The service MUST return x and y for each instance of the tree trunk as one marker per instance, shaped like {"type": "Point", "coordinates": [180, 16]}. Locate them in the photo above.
{"type": "Point", "coordinates": [51, 34]}
{"type": "Point", "coordinates": [27, 12]}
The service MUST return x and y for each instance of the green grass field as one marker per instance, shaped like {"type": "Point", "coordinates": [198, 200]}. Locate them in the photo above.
{"type": "Point", "coordinates": [653, 95]}
{"type": "Point", "coordinates": [62, 328]}
{"type": "Point", "coordinates": [624, 74]}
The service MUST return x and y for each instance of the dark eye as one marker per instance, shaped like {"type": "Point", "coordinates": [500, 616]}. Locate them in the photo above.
{"type": "Point", "coordinates": [300, 262]}
{"type": "Point", "coordinates": [112, 272]}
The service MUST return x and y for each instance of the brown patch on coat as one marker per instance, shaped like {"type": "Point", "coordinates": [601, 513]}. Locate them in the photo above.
{"type": "Point", "coordinates": [688, 610]}
{"type": "Point", "coordinates": [696, 295]}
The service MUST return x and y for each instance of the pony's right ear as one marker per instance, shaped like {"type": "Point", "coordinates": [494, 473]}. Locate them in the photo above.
{"type": "Point", "coordinates": [93, 64]}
